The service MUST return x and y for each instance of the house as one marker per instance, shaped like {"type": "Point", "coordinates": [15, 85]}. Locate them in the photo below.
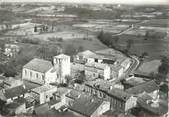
{"type": "Point", "coordinates": [133, 81]}
{"type": "Point", "coordinates": [11, 82]}
{"type": "Point", "coordinates": [97, 70]}
{"type": "Point", "coordinates": [44, 72]}
{"type": "Point", "coordinates": [11, 50]}
{"type": "Point", "coordinates": [59, 113]}
{"type": "Point", "coordinates": [126, 64]}
{"type": "Point", "coordinates": [56, 104]}
{"type": "Point", "coordinates": [150, 107]}
{"type": "Point", "coordinates": [30, 102]}
{"type": "Point", "coordinates": [121, 101]}
{"type": "Point", "coordinates": [116, 71]}
{"type": "Point", "coordinates": [111, 54]}
{"type": "Point", "coordinates": [150, 88]}
{"type": "Point", "coordinates": [89, 106]}
{"type": "Point", "coordinates": [61, 93]}
{"type": "Point", "coordinates": [118, 99]}
{"type": "Point", "coordinates": [118, 62]}
{"type": "Point", "coordinates": [72, 96]}
{"type": "Point", "coordinates": [116, 114]}
{"type": "Point", "coordinates": [11, 94]}
{"type": "Point", "coordinates": [44, 93]}
{"type": "Point", "coordinates": [83, 57]}
{"type": "Point", "coordinates": [99, 87]}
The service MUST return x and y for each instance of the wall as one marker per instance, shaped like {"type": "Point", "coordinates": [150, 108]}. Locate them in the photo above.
{"type": "Point", "coordinates": [130, 103]}
{"type": "Point", "coordinates": [92, 72]}
{"type": "Point", "coordinates": [45, 96]}
{"type": "Point", "coordinates": [63, 68]}
{"type": "Point", "coordinates": [21, 109]}
{"type": "Point", "coordinates": [117, 104]}
{"type": "Point", "coordinates": [154, 94]}
{"type": "Point", "coordinates": [35, 77]}
{"type": "Point", "coordinates": [50, 76]}
{"type": "Point", "coordinates": [107, 73]}
{"type": "Point", "coordinates": [105, 106]}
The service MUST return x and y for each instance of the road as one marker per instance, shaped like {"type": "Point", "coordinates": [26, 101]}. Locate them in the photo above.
{"type": "Point", "coordinates": [130, 28]}
{"type": "Point", "coordinates": [134, 65]}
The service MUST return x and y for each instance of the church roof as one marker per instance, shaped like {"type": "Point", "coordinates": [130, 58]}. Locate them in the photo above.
{"type": "Point", "coordinates": [39, 65]}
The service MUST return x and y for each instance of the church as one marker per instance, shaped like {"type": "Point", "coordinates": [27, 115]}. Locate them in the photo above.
{"type": "Point", "coordinates": [45, 72]}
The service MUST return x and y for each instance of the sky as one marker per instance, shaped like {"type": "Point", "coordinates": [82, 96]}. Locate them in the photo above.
{"type": "Point", "coordinates": [99, 1]}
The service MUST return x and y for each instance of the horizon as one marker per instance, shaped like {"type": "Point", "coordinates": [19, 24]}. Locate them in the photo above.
{"type": "Point", "coordinates": [130, 2]}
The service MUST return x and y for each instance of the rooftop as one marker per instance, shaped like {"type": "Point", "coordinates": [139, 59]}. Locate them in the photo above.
{"type": "Point", "coordinates": [61, 91]}
{"type": "Point", "coordinates": [56, 113]}
{"type": "Point", "coordinates": [101, 84]}
{"type": "Point", "coordinates": [74, 94]}
{"type": "Point", "coordinates": [62, 56]}
{"type": "Point", "coordinates": [110, 53]}
{"type": "Point", "coordinates": [86, 53]}
{"type": "Point", "coordinates": [162, 108]}
{"type": "Point", "coordinates": [86, 105]}
{"type": "Point", "coordinates": [39, 65]}
{"type": "Point", "coordinates": [15, 91]}
{"type": "Point", "coordinates": [43, 88]}
{"type": "Point", "coordinates": [134, 81]}
{"type": "Point", "coordinates": [96, 65]}
{"type": "Point", "coordinates": [116, 114]}
{"type": "Point", "coordinates": [120, 94]}
{"type": "Point", "coordinates": [144, 87]}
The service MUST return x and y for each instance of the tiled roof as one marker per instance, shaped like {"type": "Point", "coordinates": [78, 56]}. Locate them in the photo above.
{"type": "Point", "coordinates": [86, 53]}
{"type": "Point", "coordinates": [96, 65]}
{"type": "Point", "coordinates": [100, 84]}
{"type": "Point", "coordinates": [15, 91]}
{"type": "Point", "coordinates": [86, 105]}
{"type": "Point", "coordinates": [74, 94]}
{"type": "Point", "coordinates": [144, 87]}
{"type": "Point", "coordinates": [38, 65]}
{"type": "Point", "coordinates": [134, 81]}
{"type": "Point", "coordinates": [145, 102]}
{"type": "Point", "coordinates": [62, 56]}
{"type": "Point", "coordinates": [43, 88]}
{"type": "Point", "coordinates": [117, 93]}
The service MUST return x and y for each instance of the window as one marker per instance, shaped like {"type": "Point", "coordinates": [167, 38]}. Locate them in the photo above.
{"type": "Point", "coordinates": [30, 74]}
{"type": "Point", "coordinates": [25, 72]}
{"type": "Point", "coordinates": [96, 60]}
{"type": "Point", "coordinates": [36, 75]}
{"type": "Point", "coordinates": [43, 78]}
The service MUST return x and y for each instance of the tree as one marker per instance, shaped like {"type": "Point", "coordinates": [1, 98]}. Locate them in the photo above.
{"type": "Point", "coordinates": [164, 67]}
{"type": "Point", "coordinates": [70, 50]}
{"type": "Point", "coordinates": [68, 79]}
{"type": "Point", "coordinates": [130, 43]}
{"type": "Point", "coordinates": [143, 55]}
{"type": "Point", "coordinates": [80, 49]}
{"type": "Point", "coordinates": [80, 78]}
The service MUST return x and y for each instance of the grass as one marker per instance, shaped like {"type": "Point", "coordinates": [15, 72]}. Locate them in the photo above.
{"type": "Point", "coordinates": [154, 47]}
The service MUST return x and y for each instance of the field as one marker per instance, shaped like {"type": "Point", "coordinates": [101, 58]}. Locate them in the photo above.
{"type": "Point", "coordinates": [154, 47]}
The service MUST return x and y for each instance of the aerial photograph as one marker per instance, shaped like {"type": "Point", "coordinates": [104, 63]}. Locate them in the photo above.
{"type": "Point", "coordinates": [84, 58]}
